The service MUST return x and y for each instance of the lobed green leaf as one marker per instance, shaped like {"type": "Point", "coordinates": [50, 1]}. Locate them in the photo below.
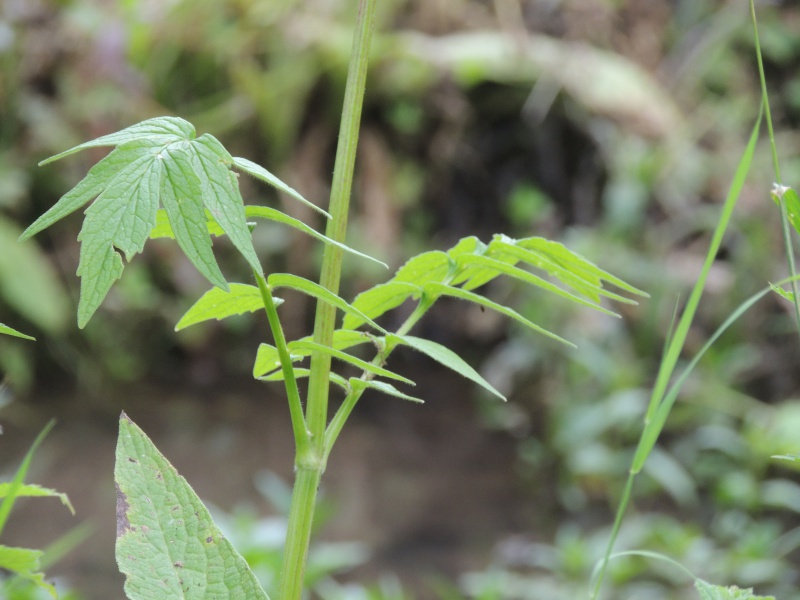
{"type": "Point", "coordinates": [219, 304]}
{"type": "Point", "coordinates": [167, 544]}
{"type": "Point", "coordinates": [446, 357]}
{"type": "Point", "coordinates": [262, 174]}
{"type": "Point", "coordinates": [164, 230]}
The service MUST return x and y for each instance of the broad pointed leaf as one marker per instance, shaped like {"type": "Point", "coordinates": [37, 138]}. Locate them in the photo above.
{"type": "Point", "coordinates": [383, 387]}
{"type": "Point", "coordinates": [5, 329]}
{"type": "Point", "coordinates": [219, 304]}
{"type": "Point", "coordinates": [182, 195]}
{"type": "Point", "coordinates": [446, 357]}
{"type": "Point", "coordinates": [160, 130]}
{"type": "Point", "coordinates": [264, 212]}
{"type": "Point", "coordinates": [379, 299]}
{"type": "Point", "coordinates": [167, 544]}
{"type": "Point", "coordinates": [438, 289]}
{"type": "Point", "coordinates": [311, 288]}
{"type": "Point", "coordinates": [261, 173]}
{"type": "Point", "coordinates": [220, 190]}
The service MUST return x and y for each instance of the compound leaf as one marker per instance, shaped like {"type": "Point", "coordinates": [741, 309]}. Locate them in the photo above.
{"type": "Point", "coordinates": [167, 544]}
{"type": "Point", "coordinates": [379, 299]}
{"type": "Point", "coordinates": [219, 304]}
{"type": "Point", "coordinates": [164, 230]}
{"type": "Point", "coordinates": [261, 173]}
{"type": "Point", "coordinates": [446, 357]}
{"type": "Point", "coordinates": [438, 289]}
{"type": "Point", "coordinates": [5, 329]}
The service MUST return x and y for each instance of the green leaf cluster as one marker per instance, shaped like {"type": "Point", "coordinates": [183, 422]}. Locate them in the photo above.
{"type": "Point", "coordinates": [158, 162]}
{"type": "Point", "coordinates": [25, 562]}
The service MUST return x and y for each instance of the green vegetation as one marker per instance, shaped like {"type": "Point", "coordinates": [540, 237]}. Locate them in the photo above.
{"type": "Point", "coordinates": [161, 180]}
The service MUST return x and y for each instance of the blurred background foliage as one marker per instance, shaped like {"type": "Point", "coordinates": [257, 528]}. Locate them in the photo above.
{"type": "Point", "coordinates": [611, 125]}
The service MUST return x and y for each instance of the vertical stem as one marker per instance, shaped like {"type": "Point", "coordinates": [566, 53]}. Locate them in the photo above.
{"type": "Point", "coordinates": [310, 464]}
{"type": "Point", "coordinates": [324, 323]}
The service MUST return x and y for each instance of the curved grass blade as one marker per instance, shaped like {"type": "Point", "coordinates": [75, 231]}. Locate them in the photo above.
{"type": "Point", "coordinates": [277, 280]}
{"type": "Point", "coordinates": [6, 330]}
{"type": "Point", "coordinates": [160, 130]}
{"type": "Point", "coordinates": [219, 304]}
{"type": "Point", "coordinates": [167, 544]}
{"type": "Point", "coordinates": [438, 289]}
{"type": "Point", "coordinates": [379, 299]}
{"type": "Point", "coordinates": [265, 212]}
{"type": "Point", "coordinates": [446, 357]}
{"type": "Point", "coordinates": [261, 173]}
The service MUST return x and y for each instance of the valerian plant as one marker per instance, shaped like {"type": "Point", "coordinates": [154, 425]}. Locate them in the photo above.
{"type": "Point", "coordinates": [161, 181]}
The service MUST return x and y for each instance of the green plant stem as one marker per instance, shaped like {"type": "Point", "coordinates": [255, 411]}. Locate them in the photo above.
{"type": "Point", "coordinates": [298, 533]}
{"type": "Point", "coordinates": [301, 437]}
{"type": "Point", "coordinates": [324, 322]}
{"type": "Point", "coordinates": [785, 229]}
{"type": "Point", "coordinates": [310, 465]}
